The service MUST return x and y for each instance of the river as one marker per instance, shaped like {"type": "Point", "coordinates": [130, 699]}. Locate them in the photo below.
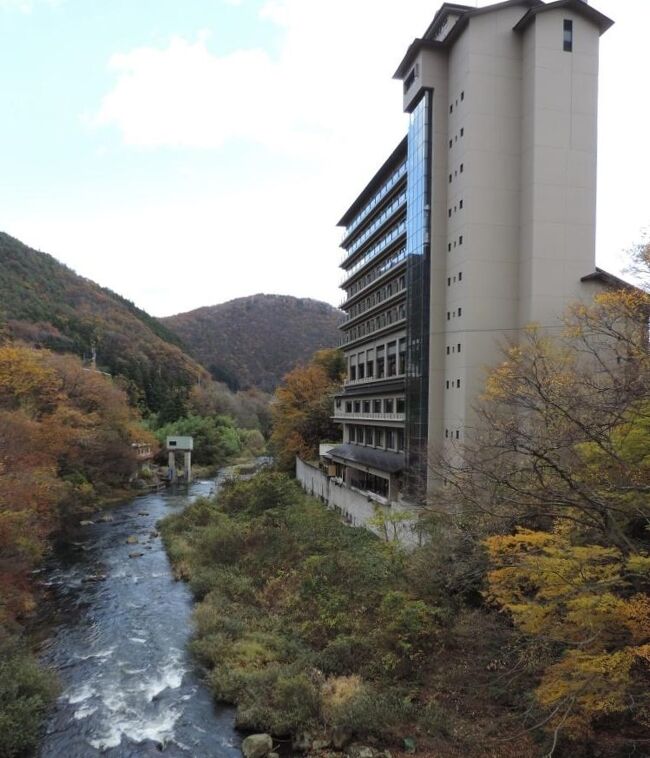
{"type": "Point", "coordinates": [119, 645]}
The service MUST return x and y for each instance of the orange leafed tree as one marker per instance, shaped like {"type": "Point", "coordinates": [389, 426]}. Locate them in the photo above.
{"type": "Point", "coordinates": [303, 406]}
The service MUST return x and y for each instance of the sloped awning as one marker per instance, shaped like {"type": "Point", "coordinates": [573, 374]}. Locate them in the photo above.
{"type": "Point", "coordinates": [382, 460]}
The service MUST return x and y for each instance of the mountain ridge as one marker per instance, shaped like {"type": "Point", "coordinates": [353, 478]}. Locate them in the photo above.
{"type": "Point", "coordinates": [253, 341]}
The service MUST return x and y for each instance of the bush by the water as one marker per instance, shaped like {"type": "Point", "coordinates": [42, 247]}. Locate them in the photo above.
{"type": "Point", "coordinates": [26, 691]}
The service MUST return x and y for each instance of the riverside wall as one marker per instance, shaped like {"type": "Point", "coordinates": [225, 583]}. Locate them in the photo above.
{"type": "Point", "coordinates": [355, 507]}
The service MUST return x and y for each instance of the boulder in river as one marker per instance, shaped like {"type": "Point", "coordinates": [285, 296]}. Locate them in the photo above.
{"type": "Point", "coordinates": [143, 513]}
{"type": "Point", "coordinates": [257, 745]}
{"type": "Point", "coordinates": [86, 522]}
{"type": "Point", "coordinates": [132, 540]}
{"type": "Point", "coordinates": [136, 555]}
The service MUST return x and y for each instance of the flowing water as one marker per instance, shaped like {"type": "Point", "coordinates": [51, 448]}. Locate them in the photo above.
{"type": "Point", "coordinates": [129, 686]}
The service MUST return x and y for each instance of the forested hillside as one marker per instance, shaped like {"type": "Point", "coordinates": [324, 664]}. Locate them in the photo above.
{"type": "Point", "coordinates": [253, 341]}
{"type": "Point", "coordinates": [44, 303]}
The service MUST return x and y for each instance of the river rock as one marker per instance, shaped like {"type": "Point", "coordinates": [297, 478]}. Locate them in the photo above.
{"type": "Point", "coordinates": [273, 755]}
{"type": "Point", "coordinates": [143, 513]}
{"type": "Point", "coordinates": [361, 751]}
{"type": "Point", "coordinates": [105, 519]}
{"type": "Point", "coordinates": [136, 555]}
{"type": "Point", "coordinates": [154, 534]}
{"type": "Point", "coordinates": [86, 522]}
{"type": "Point", "coordinates": [257, 745]}
{"type": "Point", "coordinates": [132, 540]}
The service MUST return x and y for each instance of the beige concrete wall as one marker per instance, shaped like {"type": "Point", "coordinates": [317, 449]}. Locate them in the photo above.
{"type": "Point", "coordinates": [559, 137]}
{"type": "Point", "coordinates": [355, 509]}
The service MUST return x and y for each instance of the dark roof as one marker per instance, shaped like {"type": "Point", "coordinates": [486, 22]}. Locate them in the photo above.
{"type": "Point", "coordinates": [382, 460]}
{"type": "Point", "coordinates": [428, 42]}
{"type": "Point", "coordinates": [578, 6]}
{"type": "Point", "coordinates": [393, 160]}
{"type": "Point", "coordinates": [534, 7]}
{"type": "Point", "coordinates": [599, 275]}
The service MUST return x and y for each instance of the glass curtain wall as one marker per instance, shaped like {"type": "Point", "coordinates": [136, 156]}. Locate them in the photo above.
{"type": "Point", "coordinates": [418, 216]}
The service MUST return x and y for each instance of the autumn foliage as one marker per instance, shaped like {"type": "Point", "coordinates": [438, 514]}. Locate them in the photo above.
{"type": "Point", "coordinates": [65, 437]}
{"type": "Point", "coordinates": [556, 478]}
{"type": "Point", "coordinates": [303, 407]}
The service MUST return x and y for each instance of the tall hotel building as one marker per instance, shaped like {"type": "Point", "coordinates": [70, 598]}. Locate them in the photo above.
{"type": "Point", "coordinates": [480, 222]}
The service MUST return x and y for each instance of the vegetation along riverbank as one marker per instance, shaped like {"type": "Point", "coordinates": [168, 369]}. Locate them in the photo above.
{"type": "Point", "coordinates": [324, 633]}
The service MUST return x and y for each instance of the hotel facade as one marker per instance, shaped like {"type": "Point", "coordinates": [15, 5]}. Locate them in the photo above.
{"type": "Point", "coordinates": [480, 222]}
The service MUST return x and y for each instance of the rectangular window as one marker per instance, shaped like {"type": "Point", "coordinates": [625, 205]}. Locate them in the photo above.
{"type": "Point", "coordinates": [448, 281]}
{"type": "Point", "coordinates": [460, 240]}
{"type": "Point", "coordinates": [449, 178]}
{"type": "Point", "coordinates": [388, 405]}
{"type": "Point", "coordinates": [460, 205]}
{"type": "Point", "coordinates": [448, 315]}
{"type": "Point", "coordinates": [348, 406]}
{"type": "Point", "coordinates": [353, 373]}
{"type": "Point", "coordinates": [400, 439]}
{"type": "Point", "coordinates": [462, 95]}
{"type": "Point", "coordinates": [400, 405]}
{"type": "Point", "coordinates": [402, 356]}
{"type": "Point", "coordinates": [460, 311]}
{"type": "Point", "coordinates": [390, 438]}
{"type": "Point", "coordinates": [370, 367]}
{"type": "Point", "coordinates": [351, 434]}
{"type": "Point", "coordinates": [379, 438]}
{"type": "Point", "coordinates": [366, 406]}
{"type": "Point", "coordinates": [362, 371]}
{"type": "Point", "coordinates": [457, 434]}
{"type": "Point", "coordinates": [376, 406]}
{"type": "Point", "coordinates": [458, 347]}
{"type": "Point", "coordinates": [462, 167]}
{"type": "Point", "coordinates": [357, 406]}
{"type": "Point", "coordinates": [447, 384]}
{"type": "Point", "coordinates": [447, 349]}
{"type": "Point", "coordinates": [370, 435]}
{"type": "Point", "coordinates": [392, 359]}
{"type": "Point", "coordinates": [457, 382]}
{"type": "Point", "coordinates": [338, 404]}
{"type": "Point", "coordinates": [460, 276]}
{"type": "Point", "coordinates": [568, 35]}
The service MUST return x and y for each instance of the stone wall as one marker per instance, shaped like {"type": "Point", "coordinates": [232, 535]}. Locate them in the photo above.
{"type": "Point", "coordinates": [355, 507]}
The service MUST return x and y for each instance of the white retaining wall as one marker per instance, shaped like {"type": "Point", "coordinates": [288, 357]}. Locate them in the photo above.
{"type": "Point", "coordinates": [355, 508]}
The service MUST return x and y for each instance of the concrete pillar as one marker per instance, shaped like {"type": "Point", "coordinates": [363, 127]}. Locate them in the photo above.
{"type": "Point", "coordinates": [172, 466]}
{"type": "Point", "coordinates": [188, 466]}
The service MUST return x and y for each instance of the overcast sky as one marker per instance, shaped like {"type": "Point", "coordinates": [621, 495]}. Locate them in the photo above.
{"type": "Point", "coordinates": [186, 152]}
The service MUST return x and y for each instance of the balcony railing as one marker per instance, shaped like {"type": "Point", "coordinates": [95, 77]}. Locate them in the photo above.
{"type": "Point", "coordinates": [344, 416]}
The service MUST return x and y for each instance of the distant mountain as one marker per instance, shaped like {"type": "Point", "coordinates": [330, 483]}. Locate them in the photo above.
{"type": "Point", "coordinates": [44, 303]}
{"type": "Point", "coordinates": [253, 341]}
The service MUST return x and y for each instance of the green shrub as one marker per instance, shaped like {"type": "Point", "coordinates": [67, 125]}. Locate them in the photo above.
{"type": "Point", "coordinates": [388, 715]}
{"type": "Point", "coordinates": [347, 654]}
{"type": "Point", "coordinates": [26, 691]}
